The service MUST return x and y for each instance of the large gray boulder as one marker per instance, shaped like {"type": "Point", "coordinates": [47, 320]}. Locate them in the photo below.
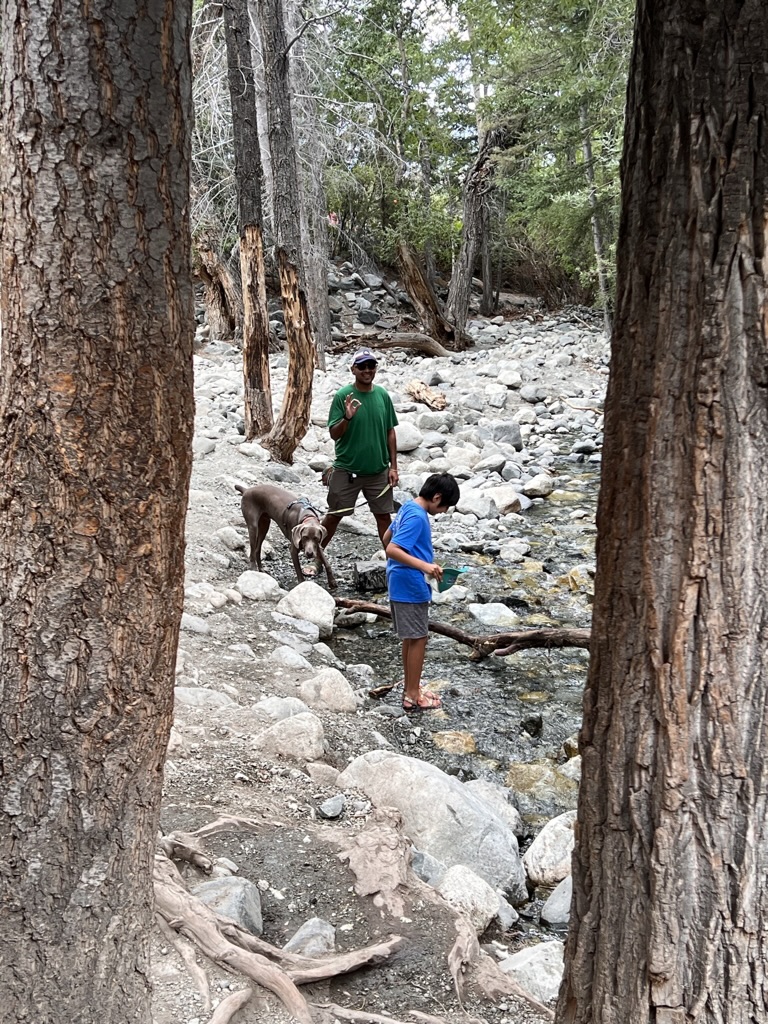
{"type": "Point", "coordinates": [441, 816]}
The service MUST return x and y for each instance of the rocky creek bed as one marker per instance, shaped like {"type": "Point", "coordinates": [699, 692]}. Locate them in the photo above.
{"type": "Point", "coordinates": [274, 723]}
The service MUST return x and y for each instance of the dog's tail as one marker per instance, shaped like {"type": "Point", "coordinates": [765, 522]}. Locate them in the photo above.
{"type": "Point", "coordinates": [239, 487]}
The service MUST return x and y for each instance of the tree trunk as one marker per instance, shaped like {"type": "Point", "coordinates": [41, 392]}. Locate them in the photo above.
{"type": "Point", "coordinates": [291, 425]}
{"type": "Point", "coordinates": [256, 383]}
{"type": "Point", "coordinates": [95, 454]}
{"type": "Point", "coordinates": [476, 187]}
{"type": "Point", "coordinates": [597, 228]}
{"type": "Point", "coordinates": [262, 121]}
{"type": "Point", "coordinates": [487, 302]}
{"type": "Point", "coordinates": [426, 305]}
{"type": "Point", "coordinates": [314, 205]}
{"type": "Point", "coordinates": [670, 892]}
{"type": "Point", "coordinates": [223, 302]}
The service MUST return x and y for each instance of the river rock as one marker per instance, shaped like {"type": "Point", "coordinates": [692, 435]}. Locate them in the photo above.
{"type": "Point", "coordinates": [329, 690]}
{"type": "Point", "coordinates": [497, 798]}
{"type": "Point", "coordinates": [299, 738]}
{"type": "Point", "coordinates": [494, 614]}
{"type": "Point", "coordinates": [506, 498]}
{"type": "Point", "coordinates": [471, 895]}
{"type": "Point", "coordinates": [316, 937]}
{"type": "Point", "coordinates": [476, 503]}
{"type": "Point", "coordinates": [235, 898]}
{"type": "Point", "coordinates": [201, 697]}
{"type": "Point", "coordinates": [408, 436]}
{"type": "Point", "coordinates": [258, 586]}
{"type": "Point", "coordinates": [539, 486]}
{"type": "Point", "coordinates": [441, 816]}
{"type": "Point", "coordinates": [277, 708]}
{"type": "Point", "coordinates": [557, 910]}
{"type": "Point", "coordinates": [230, 538]}
{"type": "Point", "coordinates": [540, 788]}
{"type": "Point", "coordinates": [548, 859]}
{"type": "Point", "coordinates": [194, 624]}
{"type": "Point", "coordinates": [538, 969]}
{"type": "Point", "coordinates": [288, 657]}
{"type": "Point", "coordinates": [309, 601]}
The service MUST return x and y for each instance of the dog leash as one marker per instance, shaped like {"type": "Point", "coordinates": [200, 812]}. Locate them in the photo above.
{"type": "Point", "coordinates": [365, 501]}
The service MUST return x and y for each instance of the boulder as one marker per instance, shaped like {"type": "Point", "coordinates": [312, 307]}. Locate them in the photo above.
{"type": "Point", "coordinates": [557, 910]}
{"type": "Point", "coordinates": [538, 969]}
{"type": "Point", "coordinates": [309, 601]}
{"type": "Point", "coordinates": [316, 937]}
{"type": "Point", "coordinates": [328, 690]}
{"type": "Point", "coordinates": [200, 697]}
{"type": "Point", "coordinates": [235, 898]}
{"type": "Point", "coordinates": [548, 859]}
{"type": "Point", "coordinates": [441, 816]}
{"type": "Point", "coordinates": [299, 738]}
{"type": "Point", "coordinates": [471, 895]}
{"type": "Point", "coordinates": [539, 486]}
{"type": "Point", "coordinates": [408, 437]}
{"type": "Point", "coordinates": [258, 586]}
{"type": "Point", "coordinates": [494, 614]}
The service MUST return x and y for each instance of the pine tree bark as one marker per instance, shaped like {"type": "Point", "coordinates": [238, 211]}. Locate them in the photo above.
{"type": "Point", "coordinates": [426, 305]}
{"type": "Point", "coordinates": [96, 418]}
{"type": "Point", "coordinates": [293, 420]}
{"type": "Point", "coordinates": [222, 298]}
{"type": "Point", "coordinates": [670, 869]}
{"type": "Point", "coordinates": [257, 389]}
{"type": "Point", "coordinates": [598, 243]}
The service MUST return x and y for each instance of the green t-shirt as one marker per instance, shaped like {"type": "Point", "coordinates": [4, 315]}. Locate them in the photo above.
{"type": "Point", "coordinates": [363, 446]}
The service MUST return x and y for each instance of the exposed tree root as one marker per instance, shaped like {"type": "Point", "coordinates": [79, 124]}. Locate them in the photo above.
{"type": "Point", "coordinates": [190, 916]}
{"type": "Point", "coordinates": [482, 646]}
{"type": "Point", "coordinates": [471, 968]}
{"type": "Point", "coordinates": [331, 1010]}
{"type": "Point", "coordinates": [186, 951]}
{"type": "Point", "coordinates": [228, 1007]}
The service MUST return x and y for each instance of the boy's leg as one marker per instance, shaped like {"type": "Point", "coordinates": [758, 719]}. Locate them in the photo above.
{"type": "Point", "coordinates": [413, 665]}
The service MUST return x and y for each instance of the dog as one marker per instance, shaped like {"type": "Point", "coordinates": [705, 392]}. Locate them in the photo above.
{"type": "Point", "coordinates": [297, 519]}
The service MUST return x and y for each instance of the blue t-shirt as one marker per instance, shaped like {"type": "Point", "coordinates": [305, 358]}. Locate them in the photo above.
{"type": "Point", "coordinates": [412, 533]}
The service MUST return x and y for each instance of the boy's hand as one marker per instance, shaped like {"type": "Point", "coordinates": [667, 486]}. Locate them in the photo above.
{"type": "Point", "coordinates": [434, 570]}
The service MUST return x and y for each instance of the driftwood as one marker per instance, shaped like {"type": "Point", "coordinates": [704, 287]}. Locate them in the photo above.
{"type": "Point", "coordinates": [421, 392]}
{"type": "Point", "coordinates": [500, 644]}
{"type": "Point", "coordinates": [228, 1007]}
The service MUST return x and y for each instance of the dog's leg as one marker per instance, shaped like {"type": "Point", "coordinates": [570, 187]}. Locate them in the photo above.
{"type": "Point", "coordinates": [296, 561]}
{"type": "Point", "coordinates": [328, 571]}
{"type": "Point", "coordinates": [257, 538]}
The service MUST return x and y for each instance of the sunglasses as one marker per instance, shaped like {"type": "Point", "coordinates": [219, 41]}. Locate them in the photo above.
{"type": "Point", "coordinates": [366, 366]}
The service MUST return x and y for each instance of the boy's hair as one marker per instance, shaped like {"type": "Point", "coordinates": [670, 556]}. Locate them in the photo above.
{"type": "Point", "coordinates": [443, 484]}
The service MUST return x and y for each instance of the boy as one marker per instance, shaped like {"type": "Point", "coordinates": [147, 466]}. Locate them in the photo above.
{"type": "Point", "coordinates": [408, 544]}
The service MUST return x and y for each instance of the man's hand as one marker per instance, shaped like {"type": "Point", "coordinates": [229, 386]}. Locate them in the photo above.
{"type": "Point", "coordinates": [393, 476]}
{"type": "Point", "coordinates": [351, 405]}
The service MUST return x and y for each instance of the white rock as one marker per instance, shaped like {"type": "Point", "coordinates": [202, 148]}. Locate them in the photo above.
{"type": "Point", "coordinates": [309, 601]}
{"type": "Point", "coordinates": [525, 415]}
{"type": "Point", "coordinates": [539, 486]}
{"type": "Point", "coordinates": [230, 538]}
{"type": "Point", "coordinates": [494, 614]}
{"type": "Point", "coordinates": [194, 624]}
{"type": "Point", "coordinates": [408, 437]}
{"type": "Point", "coordinates": [259, 586]}
{"type": "Point", "coordinates": [514, 550]}
{"type": "Point", "coordinates": [497, 798]}
{"type": "Point", "coordinates": [471, 895]}
{"type": "Point", "coordinates": [538, 969]}
{"type": "Point", "coordinates": [477, 503]}
{"type": "Point", "coordinates": [441, 817]}
{"type": "Point", "coordinates": [287, 657]}
{"type": "Point", "coordinates": [557, 910]}
{"type": "Point", "coordinates": [548, 859]}
{"type": "Point", "coordinates": [299, 738]}
{"type": "Point", "coordinates": [329, 690]}
{"type": "Point", "coordinates": [278, 708]}
{"type": "Point", "coordinates": [200, 697]}
{"type": "Point", "coordinates": [505, 497]}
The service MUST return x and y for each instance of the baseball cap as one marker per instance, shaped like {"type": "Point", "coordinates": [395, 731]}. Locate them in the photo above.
{"type": "Point", "coordinates": [363, 355]}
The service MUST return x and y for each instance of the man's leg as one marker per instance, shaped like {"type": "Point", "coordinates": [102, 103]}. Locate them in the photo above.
{"type": "Point", "coordinates": [383, 522]}
{"type": "Point", "coordinates": [331, 525]}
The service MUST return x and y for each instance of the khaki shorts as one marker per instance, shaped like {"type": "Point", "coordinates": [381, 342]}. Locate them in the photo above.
{"type": "Point", "coordinates": [344, 489]}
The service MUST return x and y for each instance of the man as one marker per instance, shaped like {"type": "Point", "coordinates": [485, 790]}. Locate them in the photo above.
{"type": "Point", "coordinates": [362, 422]}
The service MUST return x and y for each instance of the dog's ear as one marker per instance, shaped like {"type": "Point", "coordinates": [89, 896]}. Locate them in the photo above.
{"type": "Point", "coordinates": [296, 536]}
{"type": "Point", "coordinates": [323, 533]}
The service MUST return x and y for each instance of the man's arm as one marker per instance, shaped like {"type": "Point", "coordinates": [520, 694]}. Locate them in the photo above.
{"type": "Point", "coordinates": [394, 476]}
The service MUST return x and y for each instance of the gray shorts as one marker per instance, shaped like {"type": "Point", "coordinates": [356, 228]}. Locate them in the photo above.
{"type": "Point", "coordinates": [344, 489]}
{"type": "Point", "coordinates": [410, 621]}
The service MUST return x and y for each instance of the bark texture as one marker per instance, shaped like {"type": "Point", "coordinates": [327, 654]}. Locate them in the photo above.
{"type": "Point", "coordinates": [95, 451]}
{"type": "Point", "coordinates": [257, 388]}
{"type": "Point", "coordinates": [221, 294]}
{"type": "Point", "coordinates": [293, 419]}
{"type": "Point", "coordinates": [425, 303]}
{"type": "Point", "coordinates": [668, 921]}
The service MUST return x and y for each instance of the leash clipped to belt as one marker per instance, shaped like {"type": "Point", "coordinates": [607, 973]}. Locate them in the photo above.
{"type": "Point", "coordinates": [365, 501]}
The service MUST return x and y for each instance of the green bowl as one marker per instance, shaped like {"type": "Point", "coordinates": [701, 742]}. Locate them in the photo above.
{"type": "Point", "coordinates": [449, 578]}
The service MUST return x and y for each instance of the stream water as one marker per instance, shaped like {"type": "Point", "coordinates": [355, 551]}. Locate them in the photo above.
{"type": "Point", "coordinates": [501, 714]}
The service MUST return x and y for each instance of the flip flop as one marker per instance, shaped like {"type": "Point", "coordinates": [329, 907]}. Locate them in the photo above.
{"type": "Point", "coordinates": [427, 701]}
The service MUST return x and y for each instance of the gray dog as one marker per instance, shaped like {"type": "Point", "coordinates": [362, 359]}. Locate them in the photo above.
{"type": "Point", "coordinates": [298, 520]}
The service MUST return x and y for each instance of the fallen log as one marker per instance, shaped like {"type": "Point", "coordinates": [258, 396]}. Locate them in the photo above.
{"type": "Point", "coordinates": [499, 644]}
